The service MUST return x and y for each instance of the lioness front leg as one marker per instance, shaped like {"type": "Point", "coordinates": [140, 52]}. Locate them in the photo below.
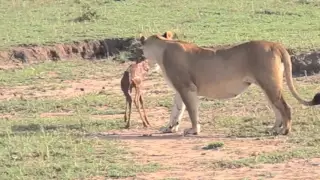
{"type": "Point", "coordinates": [177, 111]}
{"type": "Point", "coordinates": [191, 101]}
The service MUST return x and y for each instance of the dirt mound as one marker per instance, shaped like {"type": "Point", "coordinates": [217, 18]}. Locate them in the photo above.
{"type": "Point", "coordinates": [304, 63]}
{"type": "Point", "coordinates": [87, 49]}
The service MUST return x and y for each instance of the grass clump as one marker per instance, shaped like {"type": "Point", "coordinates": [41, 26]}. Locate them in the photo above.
{"type": "Point", "coordinates": [214, 145]}
{"type": "Point", "coordinates": [268, 158]}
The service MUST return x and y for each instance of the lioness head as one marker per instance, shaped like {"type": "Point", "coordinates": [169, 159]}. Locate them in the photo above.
{"type": "Point", "coordinates": [167, 35]}
{"type": "Point", "coordinates": [150, 47]}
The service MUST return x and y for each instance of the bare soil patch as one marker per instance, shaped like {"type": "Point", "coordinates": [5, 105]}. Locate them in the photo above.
{"type": "Point", "coordinates": [72, 88]}
{"type": "Point", "coordinates": [184, 158]}
{"type": "Point", "coordinates": [67, 89]}
{"type": "Point", "coordinates": [5, 65]}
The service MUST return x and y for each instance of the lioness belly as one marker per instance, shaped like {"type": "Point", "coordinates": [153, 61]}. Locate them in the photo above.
{"type": "Point", "coordinates": [224, 90]}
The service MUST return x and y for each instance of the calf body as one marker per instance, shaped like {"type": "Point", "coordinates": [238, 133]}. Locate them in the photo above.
{"type": "Point", "coordinates": [133, 77]}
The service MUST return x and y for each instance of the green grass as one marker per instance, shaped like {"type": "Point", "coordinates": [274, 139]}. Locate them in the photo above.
{"type": "Point", "coordinates": [37, 74]}
{"type": "Point", "coordinates": [57, 148]}
{"type": "Point", "coordinates": [295, 23]}
{"type": "Point", "coordinates": [268, 158]}
{"type": "Point", "coordinates": [89, 103]}
{"type": "Point", "coordinates": [78, 123]}
{"type": "Point", "coordinates": [36, 147]}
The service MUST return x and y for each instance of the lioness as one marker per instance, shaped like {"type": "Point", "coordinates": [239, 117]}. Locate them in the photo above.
{"type": "Point", "coordinates": [168, 35]}
{"type": "Point", "coordinates": [222, 73]}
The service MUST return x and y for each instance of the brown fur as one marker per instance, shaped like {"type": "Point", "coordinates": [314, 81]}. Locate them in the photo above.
{"type": "Point", "coordinates": [223, 73]}
{"type": "Point", "coordinates": [133, 77]}
{"type": "Point", "coordinates": [167, 35]}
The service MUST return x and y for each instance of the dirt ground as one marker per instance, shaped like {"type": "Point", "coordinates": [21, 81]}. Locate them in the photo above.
{"type": "Point", "coordinates": [185, 158]}
{"type": "Point", "coordinates": [182, 157]}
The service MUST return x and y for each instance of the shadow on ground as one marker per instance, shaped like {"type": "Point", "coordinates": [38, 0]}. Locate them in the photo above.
{"type": "Point", "coordinates": [163, 136]}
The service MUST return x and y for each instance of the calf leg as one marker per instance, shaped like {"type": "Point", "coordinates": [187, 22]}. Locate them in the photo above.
{"type": "Point", "coordinates": [137, 103]}
{"type": "Point", "coordinates": [128, 114]}
{"type": "Point", "coordinates": [144, 111]}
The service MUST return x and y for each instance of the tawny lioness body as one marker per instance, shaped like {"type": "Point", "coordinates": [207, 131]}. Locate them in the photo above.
{"type": "Point", "coordinates": [223, 73]}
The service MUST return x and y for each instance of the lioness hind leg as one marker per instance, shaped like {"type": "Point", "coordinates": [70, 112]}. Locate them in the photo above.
{"type": "Point", "coordinates": [278, 122]}
{"type": "Point", "coordinates": [278, 118]}
{"type": "Point", "coordinates": [271, 81]}
{"type": "Point", "coordinates": [281, 108]}
{"type": "Point", "coordinates": [285, 111]}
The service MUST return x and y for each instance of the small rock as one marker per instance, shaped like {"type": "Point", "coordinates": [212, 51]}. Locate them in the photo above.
{"type": "Point", "coordinates": [102, 92]}
{"type": "Point", "coordinates": [315, 164]}
{"type": "Point", "coordinates": [255, 153]}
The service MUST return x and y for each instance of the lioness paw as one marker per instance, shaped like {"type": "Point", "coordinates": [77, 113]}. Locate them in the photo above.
{"type": "Point", "coordinates": [192, 131]}
{"type": "Point", "coordinates": [285, 131]}
{"type": "Point", "coordinates": [167, 130]}
{"type": "Point", "coordinates": [272, 131]}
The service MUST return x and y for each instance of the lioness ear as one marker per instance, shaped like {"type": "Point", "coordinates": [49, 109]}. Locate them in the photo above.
{"type": "Point", "coordinates": [142, 39]}
{"type": "Point", "coordinates": [168, 35]}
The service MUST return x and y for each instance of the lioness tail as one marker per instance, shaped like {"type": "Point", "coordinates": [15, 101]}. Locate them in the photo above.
{"type": "Point", "coordinates": [288, 73]}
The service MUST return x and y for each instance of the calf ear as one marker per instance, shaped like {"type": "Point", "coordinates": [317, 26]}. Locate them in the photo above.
{"type": "Point", "coordinates": [168, 35]}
